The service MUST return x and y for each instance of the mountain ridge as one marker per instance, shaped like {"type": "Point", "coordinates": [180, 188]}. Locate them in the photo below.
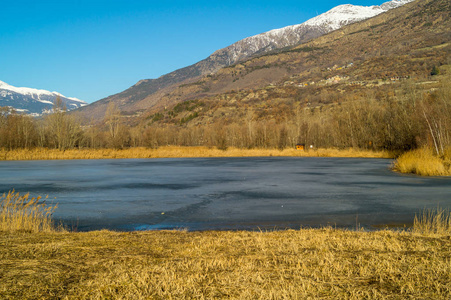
{"type": "Point", "coordinates": [255, 45]}
{"type": "Point", "coordinates": [366, 58]}
{"type": "Point", "coordinates": [32, 101]}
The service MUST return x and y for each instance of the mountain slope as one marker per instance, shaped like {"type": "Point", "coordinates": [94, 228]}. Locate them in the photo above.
{"type": "Point", "coordinates": [333, 19]}
{"type": "Point", "coordinates": [33, 101]}
{"type": "Point", "coordinates": [239, 51]}
{"type": "Point", "coordinates": [368, 58]}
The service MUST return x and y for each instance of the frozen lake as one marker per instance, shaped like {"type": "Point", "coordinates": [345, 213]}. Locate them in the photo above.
{"type": "Point", "coordinates": [226, 193]}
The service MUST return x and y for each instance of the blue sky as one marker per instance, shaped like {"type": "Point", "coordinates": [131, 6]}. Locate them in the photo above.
{"type": "Point", "coordinates": [91, 49]}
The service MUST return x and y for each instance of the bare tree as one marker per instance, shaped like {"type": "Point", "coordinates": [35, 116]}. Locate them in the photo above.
{"type": "Point", "coordinates": [118, 133]}
{"type": "Point", "coordinates": [63, 132]}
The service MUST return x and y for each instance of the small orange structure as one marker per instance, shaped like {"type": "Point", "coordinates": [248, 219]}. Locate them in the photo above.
{"type": "Point", "coordinates": [300, 147]}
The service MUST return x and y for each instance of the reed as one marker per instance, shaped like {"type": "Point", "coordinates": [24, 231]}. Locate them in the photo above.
{"type": "Point", "coordinates": [25, 213]}
{"type": "Point", "coordinates": [423, 162]}
{"type": "Point", "coordinates": [435, 221]}
{"type": "Point", "coordinates": [177, 151]}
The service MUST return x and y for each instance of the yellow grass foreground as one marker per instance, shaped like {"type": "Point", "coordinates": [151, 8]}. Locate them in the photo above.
{"type": "Point", "coordinates": [302, 264]}
{"type": "Point", "coordinates": [423, 162]}
{"type": "Point", "coordinates": [173, 151]}
{"type": "Point", "coordinates": [292, 264]}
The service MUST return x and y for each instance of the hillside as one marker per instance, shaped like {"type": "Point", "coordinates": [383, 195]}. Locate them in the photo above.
{"type": "Point", "coordinates": [405, 43]}
{"type": "Point", "coordinates": [381, 84]}
{"type": "Point", "coordinates": [368, 85]}
{"type": "Point", "coordinates": [146, 94]}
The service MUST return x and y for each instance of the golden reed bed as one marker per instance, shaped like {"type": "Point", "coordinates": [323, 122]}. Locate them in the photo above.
{"type": "Point", "coordinates": [424, 162]}
{"type": "Point", "coordinates": [173, 152]}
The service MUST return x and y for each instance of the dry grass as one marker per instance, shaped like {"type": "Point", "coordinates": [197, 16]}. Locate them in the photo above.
{"type": "Point", "coordinates": [301, 264]}
{"type": "Point", "coordinates": [433, 221]}
{"type": "Point", "coordinates": [423, 162]}
{"type": "Point", "coordinates": [173, 151]}
{"type": "Point", "coordinates": [25, 213]}
{"type": "Point", "coordinates": [292, 264]}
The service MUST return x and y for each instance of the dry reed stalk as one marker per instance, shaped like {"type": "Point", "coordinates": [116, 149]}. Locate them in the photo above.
{"type": "Point", "coordinates": [435, 221]}
{"type": "Point", "coordinates": [25, 213]}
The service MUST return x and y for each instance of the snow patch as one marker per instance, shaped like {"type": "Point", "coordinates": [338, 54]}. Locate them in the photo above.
{"type": "Point", "coordinates": [348, 13]}
{"type": "Point", "coordinates": [45, 101]}
{"type": "Point", "coordinates": [287, 36]}
{"type": "Point", "coordinates": [34, 93]}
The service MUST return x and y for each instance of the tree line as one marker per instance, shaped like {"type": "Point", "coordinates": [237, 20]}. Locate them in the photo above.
{"type": "Point", "coordinates": [403, 121]}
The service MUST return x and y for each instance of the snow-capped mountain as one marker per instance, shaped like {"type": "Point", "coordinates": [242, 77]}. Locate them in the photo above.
{"type": "Point", "coordinates": [244, 49]}
{"type": "Point", "coordinates": [329, 21]}
{"type": "Point", "coordinates": [346, 14]}
{"type": "Point", "coordinates": [33, 101]}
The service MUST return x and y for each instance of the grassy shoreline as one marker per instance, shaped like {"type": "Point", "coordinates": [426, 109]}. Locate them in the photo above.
{"type": "Point", "coordinates": [180, 152]}
{"type": "Point", "coordinates": [420, 161]}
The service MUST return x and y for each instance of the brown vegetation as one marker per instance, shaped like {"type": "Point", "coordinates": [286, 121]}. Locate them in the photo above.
{"type": "Point", "coordinates": [289, 264]}
{"type": "Point", "coordinates": [396, 119]}
{"type": "Point", "coordinates": [174, 152]}
{"type": "Point", "coordinates": [433, 221]}
{"type": "Point", "coordinates": [25, 213]}
{"type": "Point", "coordinates": [424, 162]}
